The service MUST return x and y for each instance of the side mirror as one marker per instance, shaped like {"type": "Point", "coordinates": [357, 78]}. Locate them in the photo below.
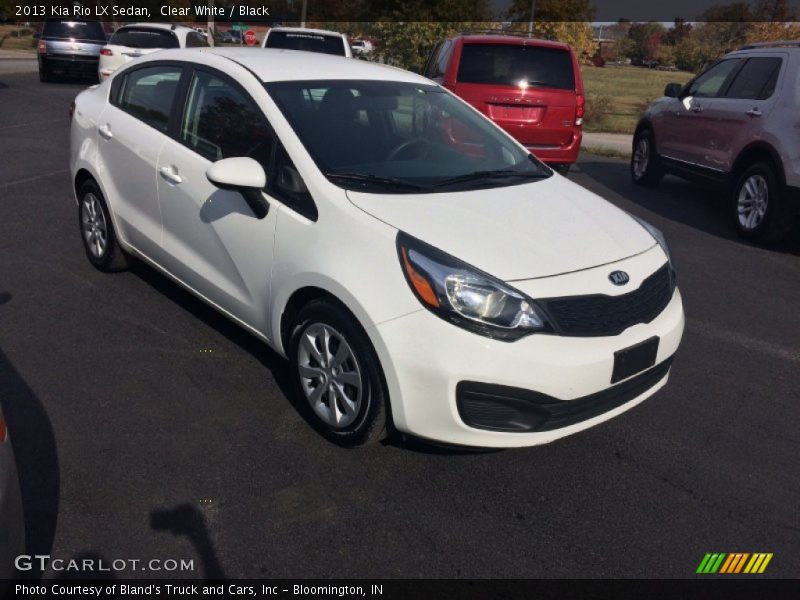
{"type": "Point", "coordinates": [673, 90]}
{"type": "Point", "coordinates": [289, 180]}
{"type": "Point", "coordinates": [243, 175]}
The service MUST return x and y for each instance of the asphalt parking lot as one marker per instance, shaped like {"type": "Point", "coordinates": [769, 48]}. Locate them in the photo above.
{"type": "Point", "coordinates": [146, 426]}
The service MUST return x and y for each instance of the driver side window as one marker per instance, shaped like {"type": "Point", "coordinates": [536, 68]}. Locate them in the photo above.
{"type": "Point", "coordinates": [713, 81]}
{"type": "Point", "coordinates": [221, 122]}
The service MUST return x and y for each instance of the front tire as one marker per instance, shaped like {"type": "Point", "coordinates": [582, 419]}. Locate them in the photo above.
{"type": "Point", "coordinates": [97, 230]}
{"type": "Point", "coordinates": [336, 374]}
{"type": "Point", "coordinates": [645, 167]}
{"type": "Point", "coordinates": [759, 206]}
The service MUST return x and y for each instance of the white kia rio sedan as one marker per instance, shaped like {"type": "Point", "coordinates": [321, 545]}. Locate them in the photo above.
{"type": "Point", "coordinates": [417, 266]}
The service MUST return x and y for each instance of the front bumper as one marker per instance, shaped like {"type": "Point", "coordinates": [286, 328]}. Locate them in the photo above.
{"type": "Point", "coordinates": [12, 524]}
{"type": "Point", "coordinates": [425, 359]}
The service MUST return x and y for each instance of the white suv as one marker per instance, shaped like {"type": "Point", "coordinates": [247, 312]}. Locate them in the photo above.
{"type": "Point", "coordinates": [309, 40]}
{"type": "Point", "coordinates": [736, 124]}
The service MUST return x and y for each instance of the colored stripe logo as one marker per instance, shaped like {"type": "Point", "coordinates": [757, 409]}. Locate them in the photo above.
{"type": "Point", "coordinates": [735, 562]}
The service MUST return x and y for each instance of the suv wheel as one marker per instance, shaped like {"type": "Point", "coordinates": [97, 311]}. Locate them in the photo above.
{"type": "Point", "coordinates": [759, 207]}
{"type": "Point", "coordinates": [97, 230]}
{"type": "Point", "coordinates": [337, 376]}
{"type": "Point", "coordinates": [645, 167]}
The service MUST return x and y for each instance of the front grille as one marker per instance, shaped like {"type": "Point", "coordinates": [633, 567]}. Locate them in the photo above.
{"type": "Point", "coordinates": [502, 408]}
{"type": "Point", "coordinates": [601, 315]}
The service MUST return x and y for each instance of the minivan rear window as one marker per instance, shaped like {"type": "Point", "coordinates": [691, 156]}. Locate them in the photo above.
{"type": "Point", "coordinates": [515, 64]}
{"type": "Point", "coordinates": [77, 30]}
{"type": "Point", "coordinates": [311, 42]}
{"type": "Point", "coordinates": [140, 37]}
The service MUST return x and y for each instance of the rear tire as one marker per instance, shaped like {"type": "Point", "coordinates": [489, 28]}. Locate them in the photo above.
{"type": "Point", "coordinates": [336, 375]}
{"type": "Point", "coordinates": [44, 75]}
{"type": "Point", "coordinates": [760, 209]}
{"type": "Point", "coordinates": [561, 169]}
{"type": "Point", "coordinates": [97, 230]}
{"type": "Point", "coordinates": [645, 166]}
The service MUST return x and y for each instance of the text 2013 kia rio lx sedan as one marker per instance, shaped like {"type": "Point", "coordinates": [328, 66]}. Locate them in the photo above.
{"type": "Point", "coordinates": [415, 264]}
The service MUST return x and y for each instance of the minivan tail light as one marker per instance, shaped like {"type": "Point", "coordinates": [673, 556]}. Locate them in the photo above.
{"type": "Point", "coordinates": [42, 47]}
{"type": "Point", "coordinates": [580, 109]}
{"type": "Point", "coordinates": [3, 430]}
{"type": "Point", "coordinates": [106, 52]}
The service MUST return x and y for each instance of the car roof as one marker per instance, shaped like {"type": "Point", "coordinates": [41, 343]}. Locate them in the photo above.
{"type": "Point", "coordinates": [782, 45]}
{"type": "Point", "coordinates": [162, 26]}
{"type": "Point", "coordinates": [274, 64]}
{"type": "Point", "coordinates": [511, 40]}
{"type": "Point", "coordinates": [308, 30]}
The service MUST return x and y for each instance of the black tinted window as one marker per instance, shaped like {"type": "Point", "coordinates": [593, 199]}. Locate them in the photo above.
{"type": "Point", "coordinates": [500, 64]}
{"type": "Point", "coordinates": [136, 37]}
{"type": "Point", "coordinates": [222, 122]}
{"type": "Point", "coordinates": [195, 40]}
{"type": "Point", "coordinates": [756, 80]}
{"type": "Point", "coordinates": [78, 30]}
{"type": "Point", "coordinates": [148, 93]}
{"type": "Point", "coordinates": [311, 42]}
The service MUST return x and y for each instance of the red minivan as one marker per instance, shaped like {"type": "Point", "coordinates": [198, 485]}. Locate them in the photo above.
{"type": "Point", "coordinates": [531, 88]}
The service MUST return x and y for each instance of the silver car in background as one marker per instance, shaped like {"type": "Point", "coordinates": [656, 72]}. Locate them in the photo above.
{"type": "Point", "coordinates": [12, 527]}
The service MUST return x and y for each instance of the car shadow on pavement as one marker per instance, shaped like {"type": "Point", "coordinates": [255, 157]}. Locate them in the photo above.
{"type": "Point", "coordinates": [701, 206]}
{"type": "Point", "coordinates": [186, 520]}
{"type": "Point", "coordinates": [35, 454]}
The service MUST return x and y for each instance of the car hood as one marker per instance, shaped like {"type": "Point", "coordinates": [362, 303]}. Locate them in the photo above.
{"type": "Point", "coordinates": [538, 229]}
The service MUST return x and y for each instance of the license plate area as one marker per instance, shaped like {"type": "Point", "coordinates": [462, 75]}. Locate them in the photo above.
{"type": "Point", "coordinates": [635, 359]}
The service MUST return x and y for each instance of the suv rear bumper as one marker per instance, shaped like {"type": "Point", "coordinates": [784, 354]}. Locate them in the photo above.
{"type": "Point", "coordinates": [567, 154]}
{"type": "Point", "coordinates": [69, 64]}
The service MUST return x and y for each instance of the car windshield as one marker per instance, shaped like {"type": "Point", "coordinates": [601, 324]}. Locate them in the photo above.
{"type": "Point", "coordinates": [507, 64]}
{"type": "Point", "coordinates": [75, 30]}
{"type": "Point", "coordinates": [309, 41]}
{"type": "Point", "coordinates": [137, 37]}
{"type": "Point", "coordinates": [400, 137]}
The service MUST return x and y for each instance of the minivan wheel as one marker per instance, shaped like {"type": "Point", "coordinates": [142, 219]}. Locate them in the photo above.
{"type": "Point", "coordinates": [759, 207]}
{"type": "Point", "coordinates": [97, 230]}
{"type": "Point", "coordinates": [336, 375]}
{"type": "Point", "coordinates": [645, 168]}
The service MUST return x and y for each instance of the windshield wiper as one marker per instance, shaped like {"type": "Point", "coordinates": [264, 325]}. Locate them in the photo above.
{"type": "Point", "coordinates": [374, 180]}
{"type": "Point", "coordinates": [498, 174]}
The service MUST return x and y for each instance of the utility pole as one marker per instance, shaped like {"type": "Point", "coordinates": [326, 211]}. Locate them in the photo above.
{"type": "Point", "coordinates": [303, 13]}
{"type": "Point", "coordinates": [530, 23]}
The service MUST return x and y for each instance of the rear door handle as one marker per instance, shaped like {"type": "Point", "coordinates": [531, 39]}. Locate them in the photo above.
{"type": "Point", "coordinates": [171, 175]}
{"type": "Point", "coordinates": [105, 131]}
{"type": "Point", "coordinates": [753, 112]}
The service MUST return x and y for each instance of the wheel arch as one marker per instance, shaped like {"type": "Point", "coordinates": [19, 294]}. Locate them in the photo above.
{"type": "Point", "coordinates": [755, 152]}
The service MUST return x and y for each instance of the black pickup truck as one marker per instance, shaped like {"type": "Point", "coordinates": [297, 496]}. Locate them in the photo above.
{"type": "Point", "coordinates": [70, 47]}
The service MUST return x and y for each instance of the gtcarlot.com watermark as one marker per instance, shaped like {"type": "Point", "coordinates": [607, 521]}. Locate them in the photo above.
{"type": "Point", "coordinates": [45, 562]}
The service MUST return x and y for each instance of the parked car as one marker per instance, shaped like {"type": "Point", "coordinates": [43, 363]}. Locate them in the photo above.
{"type": "Point", "coordinates": [361, 47]}
{"type": "Point", "coordinates": [12, 524]}
{"type": "Point", "coordinates": [130, 42]}
{"type": "Point", "coordinates": [310, 40]}
{"type": "Point", "coordinates": [69, 47]}
{"type": "Point", "coordinates": [531, 88]}
{"type": "Point", "coordinates": [435, 276]}
{"type": "Point", "coordinates": [734, 124]}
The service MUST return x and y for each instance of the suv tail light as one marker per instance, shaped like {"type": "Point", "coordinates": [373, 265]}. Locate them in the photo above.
{"type": "Point", "coordinates": [42, 47]}
{"type": "Point", "coordinates": [3, 429]}
{"type": "Point", "coordinates": [106, 52]}
{"type": "Point", "coordinates": [71, 111]}
{"type": "Point", "coordinates": [580, 109]}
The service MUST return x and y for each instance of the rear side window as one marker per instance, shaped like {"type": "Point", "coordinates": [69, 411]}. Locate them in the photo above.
{"type": "Point", "coordinates": [222, 122]}
{"type": "Point", "coordinates": [499, 64]}
{"type": "Point", "coordinates": [311, 42]}
{"type": "Point", "coordinates": [78, 30]}
{"type": "Point", "coordinates": [195, 40]}
{"type": "Point", "coordinates": [756, 80]}
{"type": "Point", "coordinates": [140, 37]}
{"type": "Point", "coordinates": [147, 94]}
{"type": "Point", "coordinates": [437, 65]}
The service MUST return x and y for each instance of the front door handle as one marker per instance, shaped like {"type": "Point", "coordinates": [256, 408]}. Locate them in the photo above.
{"type": "Point", "coordinates": [105, 131]}
{"type": "Point", "coordinates": [171, 175]}
{"type": "Point", "coordinates": [697, 108]}
{"type": "Point", "coordinates": [753, 112]}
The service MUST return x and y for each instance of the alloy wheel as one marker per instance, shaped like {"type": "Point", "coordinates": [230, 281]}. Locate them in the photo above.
{"type": "Point", "coordinates": [95, 229]}
{"type": "Point", "coordinates": [751, 203]}
{"type": "Point", "coordinates": [641, 157]}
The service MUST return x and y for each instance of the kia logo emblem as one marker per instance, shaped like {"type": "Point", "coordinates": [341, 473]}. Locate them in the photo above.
{"type": "Point", "coordinates": [619, 278]}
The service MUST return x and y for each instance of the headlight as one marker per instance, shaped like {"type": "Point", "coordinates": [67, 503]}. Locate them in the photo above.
{"type": "Point", "coordinates": [657, 234]}
{"type": "Point", "coordinates": [465, 296]}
